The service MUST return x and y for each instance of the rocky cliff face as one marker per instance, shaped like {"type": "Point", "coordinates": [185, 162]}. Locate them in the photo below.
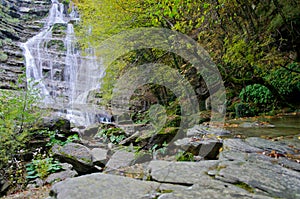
{"type": "Point", "coordinates": [19, 20]}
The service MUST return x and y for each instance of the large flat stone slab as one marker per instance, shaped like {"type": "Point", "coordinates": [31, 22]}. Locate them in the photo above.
{"type": "Point", "coordinates": [264, 175]}
{"type": "Point", "coordinates": [211, 189]}
{"type": "Point", "coordinates": [239, 145]}
{"type": "Point", "coordinates": [268, 145]}
{"type": "Point", "coordinates": [180, 172]}
{"type": "Point", "coordinates": [105, 186]}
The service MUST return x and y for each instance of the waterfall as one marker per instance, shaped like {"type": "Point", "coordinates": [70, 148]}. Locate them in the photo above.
{"type": "Point", "coordinates": [71, 63]}
{"type": "Point", "coordinates": [64, 77]}
{"type": "Point", "coordinates": [36, 57]}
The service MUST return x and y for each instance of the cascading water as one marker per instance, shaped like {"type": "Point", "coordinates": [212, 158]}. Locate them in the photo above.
{"type": "Point", "coordinates": [65, 79]}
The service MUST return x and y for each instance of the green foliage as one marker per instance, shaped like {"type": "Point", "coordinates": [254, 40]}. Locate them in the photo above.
{"type": "Point", "coordinates": [66, 2]}
{"type": "Point", "coordinates": [286, 81]}
{"type": "Point", "coordinates": [112, 134]}
{"type": "Point", "coordinates": [244, 186]}
{"type": "Point", "coordinates": [18, 114]}
{"type": "Point", "coordinates": [41, 168]}
{"type": "Point", "coordinates": [53, 140]}
{"type": "Point", "coordinates": [184, 156]}
{"type": "Point", "coordinates": [3, 56]}
{"type": "Point", "coordinates": [244, 110]}
{"type": "Point", "coordinates": [249, 41]}
{"type": "Point", "coordinates": [257, 94]}
{"type": "Point", "coordinates": [56, 45]}
{"type": "Point", "coordinates": [116, 139]}
{"type": "Point", "coordinates": [140, 117]}
{"type": "Point", "coordinates": [255, 99]}
{"type": "Point", "coordinates": [159, 150]}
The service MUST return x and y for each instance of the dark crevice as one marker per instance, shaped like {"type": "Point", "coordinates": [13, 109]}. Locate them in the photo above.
{"type": "Point", "coordinates": [172, 183]}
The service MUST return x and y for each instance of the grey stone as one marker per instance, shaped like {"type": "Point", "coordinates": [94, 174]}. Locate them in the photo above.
{"type": "Point", "coordinates": [58, 124]}
{"type": "Point", "coordinates": [239, 145]}
{"type": "Point", "coordinates": [59, 176]}
{"type": "Point", "coordinates": [16, 27]}
{"type": "Point", "coordinates": [200, 130]}
{"type": "Point", "coordinates": [4, 185]}
{"type": "Point", "coordinates": [263, 175]}
{"type": "Point", "coordinates": [66, 166]}
{"type": "Point", "coordinates": [98, 185]}
{"type": "Point", "coordinates": [289, 163]}
{"type": "Point", "coordinates": [90, 132]}
{"type": "Point", "coordinates": [131, 139]}
{"type": "Point", "coordinates": [256, 125]}
{"type": "Point", "coordinates": [38, 182]}
{"type": "Point", "coordinates": [207, 148]}
{"type": "Point", "coordinates": [180, 172]}
{"type": "Point", "coordinates": [211, 189]}
{"type": "Point", "coordinates": [187, 145]}
{"type": "Point", "coordinates": [76, 154]}
{"type": "Point", "coordinates": [268, 145]}
{"type": "Point", "coordinates": [198, 184]}
{"type": "Point", "coordinates": [120, 159]}
{"type": "Point", "coordinates": [99, 156]}
{"type": "Point", "coordinates": [233, 155]}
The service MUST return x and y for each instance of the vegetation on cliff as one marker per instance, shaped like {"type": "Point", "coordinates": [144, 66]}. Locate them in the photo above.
{"type": "Point", "coordinates": [251, 42]}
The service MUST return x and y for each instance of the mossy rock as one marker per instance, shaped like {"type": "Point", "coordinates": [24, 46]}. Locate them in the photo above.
{"type": "Point", "coordinates": [173, 121]}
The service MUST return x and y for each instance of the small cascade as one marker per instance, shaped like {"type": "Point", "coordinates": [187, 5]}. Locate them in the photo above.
{"type": "Point", "coordinates": [65, 78]}
{"type": "Point", "coordinates": [37, 56]}
{"type": "Point", "coordinates": [71, 63]}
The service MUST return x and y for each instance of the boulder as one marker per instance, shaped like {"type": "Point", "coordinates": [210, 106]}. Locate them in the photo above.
{"type": "Point", "coordinates": [76, 154]}
{"type": "Point", "coordinates": [211, 189]}
{"type": "Point", "coordinates": [99, 185]}
{"type": "Point", "coordinates": [90, 132]}
{"type": "Point", "coordinates": [206, 148]}
{"type": "Point", "coordinates": [273, 179]}
{"type": "Point", "coordinates": [187, 173]}
{"type": "Point", "coordinates": [59, 176]}
{"type": "Point", "coordinates": [120, 159]}
{"type": "Point", "coordinates": [58, 124]}
{"type": "Point", "coordinates": [99, 156]}
{"type": "Point", "coordinates": [62, 175]}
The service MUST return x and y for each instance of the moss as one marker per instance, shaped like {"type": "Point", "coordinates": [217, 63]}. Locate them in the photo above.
{"type": "Point", "coordinates": [57, 45]}
{"type": "Point", "coordinates": [168, 130]}
{"type": "Point", "coordinates": [3, 56]}
{"type": "Point", "coordinates": [220, 167]}
{"type": "Point", "coordinates": [184, 156]}
{"type": "Point", "coordinates": [164, 191]}
{"type": "Point", "coordinates": [244, 186]}
{"type": "Point", "coordinates": [59, 28]}
{"type": "Point", "coordinates": [173, 121]}
{"type": "Point", "coordinates": [86, 160]}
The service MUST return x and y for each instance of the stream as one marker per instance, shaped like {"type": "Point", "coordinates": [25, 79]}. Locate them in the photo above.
{"type": "Point", "coordinates": [286, 127]}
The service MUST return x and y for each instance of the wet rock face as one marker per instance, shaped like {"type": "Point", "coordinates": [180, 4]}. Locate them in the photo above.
{"type": "Point", "coordinates": [19, 20]}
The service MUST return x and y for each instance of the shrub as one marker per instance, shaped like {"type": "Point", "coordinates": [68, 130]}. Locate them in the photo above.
{"type": "Point", "coordinates": [256, 98]}
{"type": "Point", "coordinates": [286, 82]}
{"type": "Point", "coordinates": [18, 114]}
{"type": "Point", "coordinates": [41, 168]}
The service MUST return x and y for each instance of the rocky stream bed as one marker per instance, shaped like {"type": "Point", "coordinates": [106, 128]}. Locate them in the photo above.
{"type": "Point", "coordinates": [223, 166]}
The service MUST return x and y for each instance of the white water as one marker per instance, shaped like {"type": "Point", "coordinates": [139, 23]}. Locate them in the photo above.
{"type": "Point", "coordinates": [63, 82]}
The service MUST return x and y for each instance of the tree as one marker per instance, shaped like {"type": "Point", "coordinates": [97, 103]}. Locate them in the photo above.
{"type": "Point", "coordinates": [250, 41]}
